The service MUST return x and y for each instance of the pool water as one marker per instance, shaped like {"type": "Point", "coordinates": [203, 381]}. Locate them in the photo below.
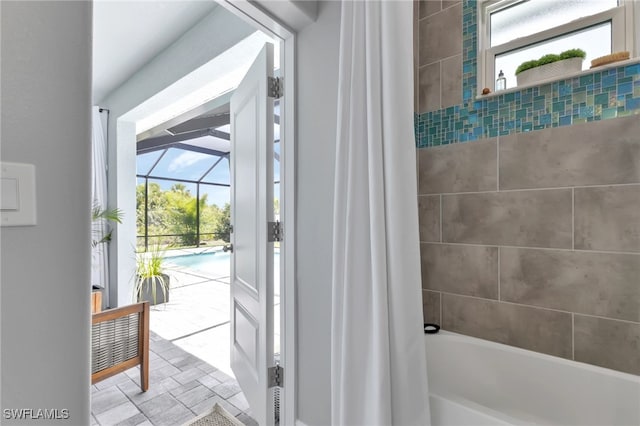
{"type": "Point", "coordinates": [212, 263]}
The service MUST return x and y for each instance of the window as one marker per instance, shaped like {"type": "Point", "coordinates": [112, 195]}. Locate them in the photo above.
{"type": "Point", "coordinates": [515, 31]}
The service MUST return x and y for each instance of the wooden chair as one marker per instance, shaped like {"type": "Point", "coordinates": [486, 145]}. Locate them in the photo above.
{"type": "Point", "coordinates": [119, 341]}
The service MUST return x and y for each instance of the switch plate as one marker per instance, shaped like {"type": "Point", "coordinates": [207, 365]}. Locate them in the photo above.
{"type": "Point", "coordinates": [9, 194]}
{"type": "Point", "coordinates": [18, 194]}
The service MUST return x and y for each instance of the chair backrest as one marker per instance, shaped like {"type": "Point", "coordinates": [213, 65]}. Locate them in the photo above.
{"type": "Point", "coordinates": [119, 340]}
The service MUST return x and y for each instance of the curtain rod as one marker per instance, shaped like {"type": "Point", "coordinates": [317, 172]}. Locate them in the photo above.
{"type": "Point", "coordinates": [103, 110]}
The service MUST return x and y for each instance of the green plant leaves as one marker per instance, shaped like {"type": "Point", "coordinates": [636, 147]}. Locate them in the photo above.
{"type": "Point", "coordinates": [101, 220]}
{"type": "Point", "coordinates": [550, 58]}
{"type": "Point", "coordinates": [149, 271]}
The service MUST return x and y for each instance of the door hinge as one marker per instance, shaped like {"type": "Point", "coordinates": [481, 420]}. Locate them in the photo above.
{"type": "Point", "coordinates": [274, 87]}
{"type": "Point", "coordinates": [274, 232]}
{"type": "Point", "coordinates": [276, 376]}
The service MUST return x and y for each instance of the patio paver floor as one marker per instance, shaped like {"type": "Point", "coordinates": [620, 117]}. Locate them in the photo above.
{"type": "Point", "coordinates": [189, 361]}
{"type": "Point", "coordinates": [181, 387]}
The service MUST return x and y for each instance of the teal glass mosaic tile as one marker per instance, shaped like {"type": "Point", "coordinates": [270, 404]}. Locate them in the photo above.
{"type": "Point", "coordinates": [598, 95]}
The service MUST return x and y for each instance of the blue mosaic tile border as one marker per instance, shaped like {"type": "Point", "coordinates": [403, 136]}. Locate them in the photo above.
{"type": "Point", "coordinates": [600, 95]}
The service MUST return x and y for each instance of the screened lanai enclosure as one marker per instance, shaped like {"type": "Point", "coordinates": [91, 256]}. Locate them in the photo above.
{"type": "Point", "coordinates": [183, 182]}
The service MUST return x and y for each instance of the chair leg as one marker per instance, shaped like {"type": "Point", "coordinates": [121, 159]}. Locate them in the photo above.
{"type": "Point", "coordinates": [144, 362]}
{"type": "Point", "coordinates": [144, 375]}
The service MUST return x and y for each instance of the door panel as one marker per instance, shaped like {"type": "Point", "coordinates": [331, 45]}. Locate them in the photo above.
{"type": "Point", "coordinates": [252, 258]}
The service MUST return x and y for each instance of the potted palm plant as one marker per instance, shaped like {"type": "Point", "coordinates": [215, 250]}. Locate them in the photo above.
{"type": "Point", "coordinates": [550, 66]}
{"type": "Point", "coordinates": [152, 284]}
{"type": "Point", "coordinates": [102, 221]}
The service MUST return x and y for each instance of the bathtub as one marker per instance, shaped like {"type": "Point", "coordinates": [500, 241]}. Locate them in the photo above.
{"type": "Point", "coordinates": [477, 382]}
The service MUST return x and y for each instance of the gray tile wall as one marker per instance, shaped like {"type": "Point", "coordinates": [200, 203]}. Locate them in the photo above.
{"type": "Point", "coordinates": [439, 54]}
{"type": "Point", "coordinates": [533, 240]}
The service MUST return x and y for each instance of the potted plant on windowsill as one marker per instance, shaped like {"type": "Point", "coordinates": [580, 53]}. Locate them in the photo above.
{"type": "Point", "coordinates": [152, 284]}
{"type": "Point", "coordinates": [550, 66]}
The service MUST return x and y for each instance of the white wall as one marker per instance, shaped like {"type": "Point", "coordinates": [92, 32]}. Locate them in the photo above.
{"type": "Point", "coordinates": [45, 269]}
{"type": "Point", "coordinates": [45, 121]}
{"type": "Point", "coordinates": [214, 34]}
{"type": "Point", "coordinates": [317, 99]}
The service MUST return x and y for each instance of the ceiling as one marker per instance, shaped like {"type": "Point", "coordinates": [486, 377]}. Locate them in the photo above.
{"type": "Point", "coordinates": [128, 34]}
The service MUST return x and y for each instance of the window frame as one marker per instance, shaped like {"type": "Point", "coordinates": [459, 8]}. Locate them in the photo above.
{"type": "Point", "coordinates": [622, 35]}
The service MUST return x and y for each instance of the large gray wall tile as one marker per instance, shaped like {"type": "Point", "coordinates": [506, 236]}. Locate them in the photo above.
{"type": "Point", "coordinates": [449, 3]}
{"type": "Point", "coordinates": [429, 7]}
{"type": "Point", "coordinates": [460, 167]}
{"type": "Point", "coordinates": [441, 35]}
{"type": "Point", "coordinates": [416, 49]}
{"type": "Point", "coordinates": [451, 92]}
{"type": "Point", "coordinates": [597, 153]}
{"type": "Point", "coordinates": [590, 283]}
{"type": "Point", "coordinates": [608, 218]}
{"type": "Point", "coordinates": [431, 306]}
{"type": "Point", "coordinates": [460, 269]}
{"type": "Point", "coordinates": [429, 215]}
{"type": "Point", "coordinates": [536, 329]}
{"type": "Point", "coordinates": [429, 87]}
{"type": "Point", "coordinates": [514, 218]}
{"type": "Point", "coordinates": [608, 343]}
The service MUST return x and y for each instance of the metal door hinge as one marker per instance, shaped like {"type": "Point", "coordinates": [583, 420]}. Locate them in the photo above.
{"type": "Point", "coordinates": [274, 232]}
{"type": "Point", "coordinates": [274, 87]}
{"type": "Point", "coordinates": [276, 376]}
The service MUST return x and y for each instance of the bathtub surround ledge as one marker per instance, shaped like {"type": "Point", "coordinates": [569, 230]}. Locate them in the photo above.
{"type": "Point", "coordinates": [475, 382]}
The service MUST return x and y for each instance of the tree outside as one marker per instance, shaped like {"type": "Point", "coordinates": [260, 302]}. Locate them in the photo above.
{"type": "Point", "coordinates": [172, 217]}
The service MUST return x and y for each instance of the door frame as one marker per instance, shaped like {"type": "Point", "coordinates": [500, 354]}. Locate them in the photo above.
{"type": "Point", "coordinates": [250, 12]}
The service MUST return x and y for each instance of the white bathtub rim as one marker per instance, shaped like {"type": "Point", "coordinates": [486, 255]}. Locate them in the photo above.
{"type": "Point", "coordinates": [527, 352]}
{"type": "Point", "coordinates": [477, 409]}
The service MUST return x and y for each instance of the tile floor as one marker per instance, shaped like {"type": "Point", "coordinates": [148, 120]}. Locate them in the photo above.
{"type": "Point", "coordinates": [189, 361]}
{"type": "Point", "coordinates": [181, 387]}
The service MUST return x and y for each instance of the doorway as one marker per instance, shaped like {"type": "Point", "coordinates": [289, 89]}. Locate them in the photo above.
{"type": "Point", "coordinates": [127, 130]}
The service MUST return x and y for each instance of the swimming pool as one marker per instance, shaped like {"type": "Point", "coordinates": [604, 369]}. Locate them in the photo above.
{"type": "Point", "coordinates": [211, 263]}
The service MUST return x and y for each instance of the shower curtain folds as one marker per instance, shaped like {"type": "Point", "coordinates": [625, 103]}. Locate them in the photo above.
{"type": "Point", "coordinates": [378, 370]}
{"type": "Point", "coordinates": [99, 254]}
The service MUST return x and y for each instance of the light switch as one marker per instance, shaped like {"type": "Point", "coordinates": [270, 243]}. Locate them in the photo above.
{"type": "Point", "coordinates": [9, 194]}
{"type": "Point", "coordinates": [18, 194]}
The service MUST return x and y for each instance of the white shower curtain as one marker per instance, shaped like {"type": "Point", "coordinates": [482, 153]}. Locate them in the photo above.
{"type": "Point", "coordinates": [378, 370]}
{"type": "Point", "coordinates": [99, 255]}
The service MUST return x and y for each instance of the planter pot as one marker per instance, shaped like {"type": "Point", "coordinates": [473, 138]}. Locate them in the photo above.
{"type": "Point", "coordinates": [549, 71]}
{"type": "Point", "coordinates": [147, 291]}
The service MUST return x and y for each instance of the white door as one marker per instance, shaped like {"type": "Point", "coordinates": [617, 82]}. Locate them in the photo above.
{"type": "Point", "coordinates": [252, 258]}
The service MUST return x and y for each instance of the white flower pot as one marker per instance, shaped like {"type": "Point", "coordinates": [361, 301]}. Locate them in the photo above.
{"type": "Point", "coordinates": [549, 71]}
